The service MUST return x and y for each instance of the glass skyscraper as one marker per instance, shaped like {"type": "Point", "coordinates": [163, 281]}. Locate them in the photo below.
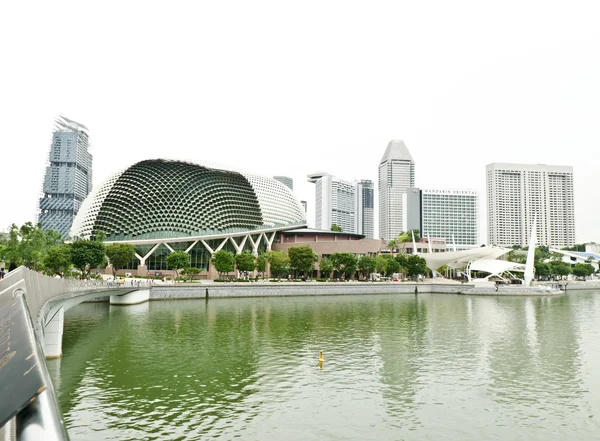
{"type": "Point", "coordinates": [68, 178]}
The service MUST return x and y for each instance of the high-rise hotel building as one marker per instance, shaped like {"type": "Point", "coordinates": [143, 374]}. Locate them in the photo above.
{"type": "Point", "coordinates": [396, 175]}
{"type": "Point", "coordinates": [68, 178]}
{"type": "Point", "coordinates": [365, 211]}
{"type": "Point", "coordinates": [450, 214]}
{"type": "Point", "coordinates": [347, 204]}
{"type": "Point", "coordinates": [335, 202]}
{"type": "Point", "coordinates": [519, 193]}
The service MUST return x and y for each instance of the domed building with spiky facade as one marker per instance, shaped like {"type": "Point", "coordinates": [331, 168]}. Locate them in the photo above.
{"type": "Point", "coordinates": [161, 206]}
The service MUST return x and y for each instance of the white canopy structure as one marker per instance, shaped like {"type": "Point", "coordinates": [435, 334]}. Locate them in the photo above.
{"type": "Point", "coordinates": [495, 268]}
{"type": "Point", "coordinates": [483, 259]}
{"type": "Point", "coordinates": [460, 259]}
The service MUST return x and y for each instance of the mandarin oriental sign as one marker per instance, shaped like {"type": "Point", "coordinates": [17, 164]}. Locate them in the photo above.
{"type": "Point", "coordinates": [455, 192]}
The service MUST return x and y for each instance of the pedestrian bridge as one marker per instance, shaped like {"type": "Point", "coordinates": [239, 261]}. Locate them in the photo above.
{"type": "Point", "coordinates": [32, 308]}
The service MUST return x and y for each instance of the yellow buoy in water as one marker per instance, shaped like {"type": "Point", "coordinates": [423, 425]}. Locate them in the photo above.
{"type": "Point", "coordinates": [321, 359]}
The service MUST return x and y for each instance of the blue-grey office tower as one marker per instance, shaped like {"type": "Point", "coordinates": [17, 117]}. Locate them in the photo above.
{"type": "Point", "coordinates": [68, 178]}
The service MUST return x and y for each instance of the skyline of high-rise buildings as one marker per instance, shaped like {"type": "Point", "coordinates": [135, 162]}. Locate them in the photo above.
{"type": "Point", "coordinates": [515, 195]}
{"type": "Point", "coordinates": [68, 176]}
{"type": "Point", "coordinates": [396, 175]}
{"type": "Point", "coordinates": [518, 194]}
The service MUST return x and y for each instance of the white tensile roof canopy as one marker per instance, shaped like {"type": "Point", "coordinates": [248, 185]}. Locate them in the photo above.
{"type": "Point", "coordinates": [495, 267]}
{"type": "Point", "coordinates": [460, 259]}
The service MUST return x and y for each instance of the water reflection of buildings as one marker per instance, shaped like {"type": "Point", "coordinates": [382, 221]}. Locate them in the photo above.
{"type": "Point", "coordinates": [495, 358]}
{"type": "Point", "coordinates": [403, 333]}
{"type": "Point", "coordinates": [400, 362]}
{"type": "Point", "coordinates": [532, 355]}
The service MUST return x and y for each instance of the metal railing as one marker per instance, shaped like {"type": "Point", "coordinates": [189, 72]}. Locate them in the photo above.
{"type": "Point", "coordinates": [25, 296]}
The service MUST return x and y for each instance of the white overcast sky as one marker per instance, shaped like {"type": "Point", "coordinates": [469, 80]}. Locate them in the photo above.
{"type": "Point", "coordinates": [293, 87]}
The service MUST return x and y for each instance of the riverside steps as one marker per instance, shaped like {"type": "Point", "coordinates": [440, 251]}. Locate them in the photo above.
{"type": "Point", "coordinates": [290, 289]}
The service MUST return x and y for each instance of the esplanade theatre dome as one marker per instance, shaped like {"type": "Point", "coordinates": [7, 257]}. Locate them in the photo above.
{"type": "Point", "coordinates": [166, 199]}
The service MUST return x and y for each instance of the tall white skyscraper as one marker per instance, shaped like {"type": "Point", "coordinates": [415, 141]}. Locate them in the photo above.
{"type": "Point", "coordinates": [450, 214]}
{"type": "Point", "coordinates": [365, 200]}
{"type": "Point", "coordinates": [396, 175]}
{"type": "Point", "coordinates": [519, 193]}
{"type": "Point", "coordinates": [335, 202]}
{"type": "Point", "coordinates": [68, 178]}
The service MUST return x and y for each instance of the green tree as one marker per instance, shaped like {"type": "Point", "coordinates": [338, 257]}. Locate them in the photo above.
{"type": "Point", "coordinates": [366, 265]}
{"type": "Point", "coordinates": [245, 262]}
{"type": "Point", "coordinates": [344, 263]}
{"type": "Point", "coordinates": [393, 266]}
{"type": "Point", "coordinates": [583, 270]}
{"type": "Point", "coordinates": [178, 260]}
{"type": "Point", "coordinates": [52, 238]}
{"type": "Point", "coordinates": [542, 269]}
{"type": "Point", "coordinates": [223, 261]}
{"type": "Point", "coordinates": [402, 260]}
{"type": "Point", "coordinates": [408, 236]}
{"type": "Point", "coordinates": [560, 268]}
{"type": "Point", "coordinates": [325, 267]}
{"type": "Point", "coordinates": [98, 236]}
{"type": "Point", "coordinates": [58, 259]}
{"type": "Point", "coordinates": [302, 259]}
{"type": "Point", "coordinates": [87, 254]}
{"type": "Point", "coordinates": [541, 254]}
{"type": "Point", "coordinates": [516, 256]}
{"type": "Point", "coordinates": [577, 247]}
{"type": "Point", "coordinates": [27, 245]}
{"type": "Point", "coordinates": [392, 245]}
{"type": "Point", "coordinates": [279, 262]}
{"type": "Point", "coordinates": [336, 228]}
{"type": "Point", "coordinates": [416, 265]}
{"type": "Point", "coordinates": [12, 242]}
{"type": "Point", "coordinates": [120, 255]}
{"type": "Point", "coordinates": [381, 263]}
{"type": "Point", "coordinates": [33, 245]}
{"type": "Point", "coordinates": [191, 271]}
{"type": "Point", "coordinates": [261, 263]}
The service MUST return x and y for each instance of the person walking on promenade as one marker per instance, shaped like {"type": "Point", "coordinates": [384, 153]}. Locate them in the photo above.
{"type": "Point", "coordinates": [2, 273]}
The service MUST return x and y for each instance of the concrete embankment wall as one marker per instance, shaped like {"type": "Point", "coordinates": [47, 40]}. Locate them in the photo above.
{"type": "Point", "coordinates": [577, 286]}
{"type": "Point", "coordinates": [327, 289]}
{"type": "Point", "coordinates": [295, 289]}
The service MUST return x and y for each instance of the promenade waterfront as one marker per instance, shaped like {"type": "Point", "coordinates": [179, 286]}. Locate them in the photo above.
{"type": "Point", "coordinates": [452, 367]}
{"type": "Point", "coordinates": [286, 289]}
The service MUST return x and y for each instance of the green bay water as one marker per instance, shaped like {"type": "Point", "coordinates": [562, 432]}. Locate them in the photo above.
{"type": "Point", "coordinates": [397, 367]}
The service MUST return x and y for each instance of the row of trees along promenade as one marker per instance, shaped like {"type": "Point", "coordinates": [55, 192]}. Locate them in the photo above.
{"type": "Point", "coordinates": [549, 264]}
{"type": "Point", "coordinates": [300, 261]}
{"type": "Point", "coordinates": [47, 252]}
